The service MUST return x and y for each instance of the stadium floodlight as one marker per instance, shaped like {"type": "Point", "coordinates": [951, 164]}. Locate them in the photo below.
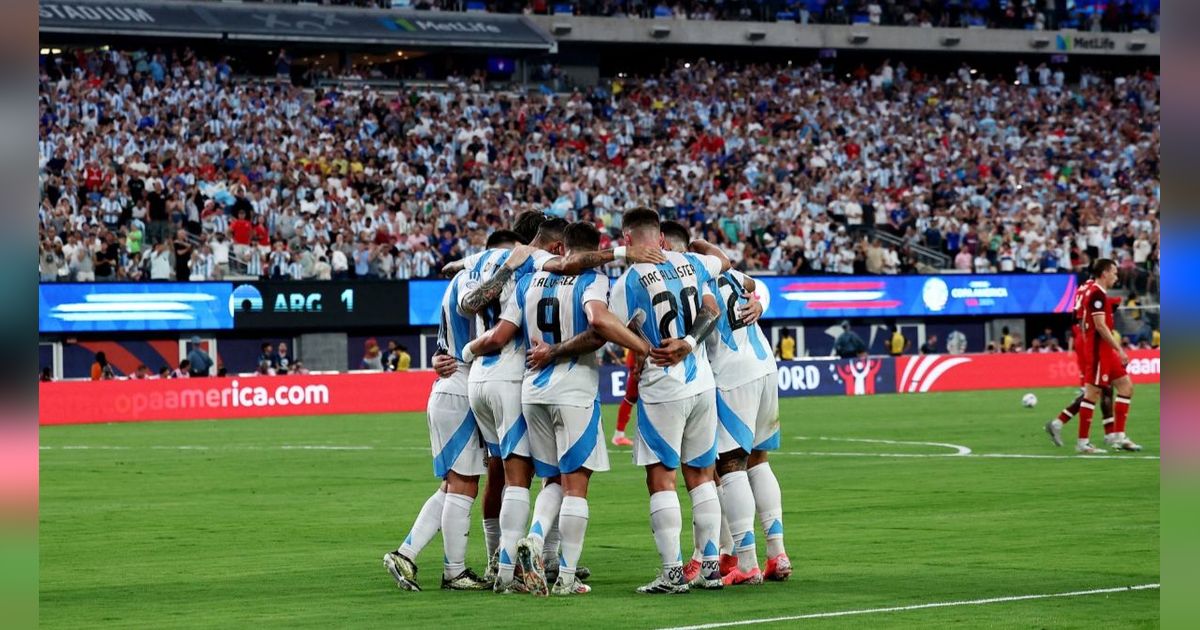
{"type": "Point", "coordinates": [660, 30]}
{"type": "Point", "coordinates": [561, 28]}
{"type": "Point", "coordinates": [951, 40]}
{"type": "Point", "coordinates": [859, 37]}
{"type": "Point", "coordinates": [756, 35]}
{"type": "Point", "coordinates": [1039, 42]}
{"type": "Point", "coordinates": [1136, 44]}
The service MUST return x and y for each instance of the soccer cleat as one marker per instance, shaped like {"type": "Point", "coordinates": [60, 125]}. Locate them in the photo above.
{"type": "Point", "coordinates": [1126, 444]}
{"type": "Point", "coordinates": [402, 569]}
{"type": "Point", "coordinates": [569, 586]}
{"type": "Point", "coordinates": [582, 573]}
{"type": "Point", "coordinates": [510, 587]}
{"type": "Point", "coordinates": [669, 583]}
{"type": "Point", "coordinates": [691, 570]}
{"type": "Point", "coordinates": [466, 581]}
{"type": "Point", "coordinates": [779, 568]}
{"type": "Point", "coordinates": [728, 563]}
{"type": "Point", "coordinates": [1088, 449]}
{"type": "Point", "coordinates": [709, 578]}
{"type": "Point", "coordinates": [738, 576]}
{"type": "Point", "coordinates": [533, 572]}
{"type": "Point", "coordinates": [1055, 432]}
{"type": "Point", "coordinates": [621, 440]}
{"type": "Point", "coordinates": [493, 567]}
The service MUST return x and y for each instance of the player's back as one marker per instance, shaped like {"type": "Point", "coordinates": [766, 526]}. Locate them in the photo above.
{"type": "Point", "coordinates": [507, 363]}
{"type": "Point", "coordinates": [670, 296]}
{"type": "Point", "coordinates": [552, 308]}
{"type": "Point", "coordinates": [738, 353]}
{"type": "Point", "coordinates": [454, 333]}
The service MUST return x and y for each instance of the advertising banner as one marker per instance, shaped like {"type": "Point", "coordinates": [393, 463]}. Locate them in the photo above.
{"type": "Point", "coordinates": [133, 307]}
{"type": "Point", "coordinates": [915, 296]}
{"type": "Point", "coordinates": [83, 402]}
{"type": "Point", "coordinates": [944, 372]}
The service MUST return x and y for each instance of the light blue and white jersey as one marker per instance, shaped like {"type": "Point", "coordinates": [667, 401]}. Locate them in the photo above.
{"type": "Point", "coordinates": [508, 363]}
{"type": "Point", "coordinates": [454, 333]}
{"type": "Point", "coordinates": [669, 295]}
{"type": "Point", "coordinates": [551, 311]}
{"type": "Point", "coordinates": [738, 353]}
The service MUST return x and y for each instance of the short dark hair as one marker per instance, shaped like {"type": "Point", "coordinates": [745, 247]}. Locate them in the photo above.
{"type": "Point", "coordinates": [552, 230]}
{"type": "Point", "coordinates": [1101, 265]}
{"type": "Point", "coordinates": [676, 230]}
{"type": "Point", "coordinates": [639, 218]}
{"type": "Point", "coordinates": [527, 224]}
{"type": "Point", "coordinates": [582, 235]}
{"type": "Point", "coordinates": [503, 237]}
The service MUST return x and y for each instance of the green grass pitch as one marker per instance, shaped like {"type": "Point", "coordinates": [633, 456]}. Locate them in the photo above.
{"type": "Point", "coordinates": [236, 523]}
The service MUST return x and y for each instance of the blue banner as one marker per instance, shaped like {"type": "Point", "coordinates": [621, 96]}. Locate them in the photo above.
{"type": "Point", "coordinates": [815, 377]}
{"type": "Point", "coordinates": [134, 307]}
{"type": "Point", "coordinates": [797, 297]}
{"type": "Point", "coordinates": [915, 296]}
{"type": "Point", "coordinates": [425, 301]}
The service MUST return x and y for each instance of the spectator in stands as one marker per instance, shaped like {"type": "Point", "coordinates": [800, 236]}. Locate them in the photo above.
{"type": "Point", "coordinates": [142, 373]}
{"type": "Point", "coordinates": [930, 345]}
{"type": "Point", "coordinates": [183, 371]}
{"type": "Point", "coordinates": [785, 350]}
{"type": "Point", "coordinates": [298, 368]}
{"type": "Point", "coordinates": [45, 376]}
{"type": "Point", "coordinates": [898, 344]}
{"type": "Point", "coordinates": [404, 361]}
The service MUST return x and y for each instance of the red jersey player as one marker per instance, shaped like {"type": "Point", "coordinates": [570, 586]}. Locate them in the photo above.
{"type": "Point", "coordinates": [1054, 426]}
{"type": "Point", "coordinates": [631, 398]}
{"type": "Point", "coordinates": [1105, 361]}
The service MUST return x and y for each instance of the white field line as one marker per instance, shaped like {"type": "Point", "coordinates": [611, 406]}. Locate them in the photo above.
{"type": "Point", "coordinates": [244, 447]}
{"type": "Point", "coordinates": [959, 451]}
{"type": "Point", "coordinates": [891, 609]}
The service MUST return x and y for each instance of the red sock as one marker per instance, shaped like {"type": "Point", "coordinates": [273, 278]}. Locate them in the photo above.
{"type": "Point", "coordinates": [1121, 409]}
{"type": "Point", "coordinates": [1110, 426]}
{"type": "Point", "coordinates": [623, 415]}
{"type": "Point", "coordinates": [1086, 409]}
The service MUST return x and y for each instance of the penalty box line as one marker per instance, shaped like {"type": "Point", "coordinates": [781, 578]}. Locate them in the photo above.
{"type": "Point", "coordinates": [890, 609]}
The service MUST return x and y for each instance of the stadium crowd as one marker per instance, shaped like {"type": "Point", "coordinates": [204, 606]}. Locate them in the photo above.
{"type": "Point", "coordinates": [161, 165]}
{"type": "Point", "coordinates": [1090, 15]}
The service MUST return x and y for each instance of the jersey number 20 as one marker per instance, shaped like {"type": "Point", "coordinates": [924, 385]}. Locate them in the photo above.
{"type": "Point", "coordinates": [689, 300]}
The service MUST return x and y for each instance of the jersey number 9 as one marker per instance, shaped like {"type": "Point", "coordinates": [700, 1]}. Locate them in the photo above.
{"type": "Point", "coordinates": [549, 320]}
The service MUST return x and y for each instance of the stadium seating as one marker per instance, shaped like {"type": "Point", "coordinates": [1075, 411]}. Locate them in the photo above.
{"type": "Point", "coordinates": [909, 174]}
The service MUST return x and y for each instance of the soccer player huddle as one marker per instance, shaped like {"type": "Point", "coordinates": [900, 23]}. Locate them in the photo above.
{"type": "Point", "coordinates": [518, 397]}
{"type": "Point", "coordinates": [1102, 362]}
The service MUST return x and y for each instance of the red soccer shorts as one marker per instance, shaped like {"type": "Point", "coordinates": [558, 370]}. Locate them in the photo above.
{"type": "Point", "coordinates": [1104, 367]}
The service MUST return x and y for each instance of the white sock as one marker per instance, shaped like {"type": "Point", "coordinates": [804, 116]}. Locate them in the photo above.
{"type": "Point", "coordinates": [573, 521]}
{"type": "Point", "coordinates": [1056, 423]}
{"type": "Point", "coordinates": [768, 502]}
{"type": "Point", "coordinates": [618, 434]}
{"type": "Point", "coordinates": [514, 514]}
{"type": "Point", "coordinates": [491, 536]}
{"type": "Point", "coordinates": [666, 521]}
{"type": "Point", "coordinates": [726, 539]}
{"type": "Point", "coordinates": [706, 518]}
{"type": "Point", "coordinates": [545, 512]}
{"type": "Point", "coordinates": [429, 521]}
{"type": "Point", "coordinates": [738, 505]}
{"type": "Point", "coordinates": [1081, 441]}
{"type": "Point", "coordinates": [456, 527]}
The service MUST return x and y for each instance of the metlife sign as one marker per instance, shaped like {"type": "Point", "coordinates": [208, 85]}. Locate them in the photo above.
{"type": "Point", "coordinates": [277, 23]}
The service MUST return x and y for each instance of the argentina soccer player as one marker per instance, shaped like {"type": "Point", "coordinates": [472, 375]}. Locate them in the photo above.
{"type": "Point", "coordinates": [677, 416]}
{"type": "Point", "coordinates": [748, 425]}
{"type": "Point", "coordinates": [458, 460]}
{"type": "Point", "coordinates": [559, 400]}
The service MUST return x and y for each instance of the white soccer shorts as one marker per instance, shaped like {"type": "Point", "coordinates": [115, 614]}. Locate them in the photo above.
{"type": "Point", "coordinates": [564, 439]}
{"type": "Point", "coordinates": [677, 432]}
{"type": "Point", "coordinates": [749, 416]}
{"type": "Point", "coordinates": [454, 437]}
{"type": "Point", "coordinates": [497, 407]}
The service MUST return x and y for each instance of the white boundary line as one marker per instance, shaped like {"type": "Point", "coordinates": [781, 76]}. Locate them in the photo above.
{"type": "Point", "coordinates": [959, 451]}
{"type": "Point", "coordinates": [869, 611]}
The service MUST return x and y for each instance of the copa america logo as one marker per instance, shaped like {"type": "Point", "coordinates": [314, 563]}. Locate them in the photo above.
{"type": "Point", "coordinates": [935, 293]}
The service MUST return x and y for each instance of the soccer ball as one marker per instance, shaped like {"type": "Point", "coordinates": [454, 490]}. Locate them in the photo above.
{"type": "Point", "coordinates": [1029, 400]}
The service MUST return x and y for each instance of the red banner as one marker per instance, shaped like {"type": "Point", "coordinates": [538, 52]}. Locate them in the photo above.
{"type": "Point", "coordinates": [79, 402]}
{"type": "Point", "coordinates": [954, 372]}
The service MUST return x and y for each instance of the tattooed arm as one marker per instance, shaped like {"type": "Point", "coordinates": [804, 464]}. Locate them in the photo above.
{"type": "Point", "coordinates": [673, 351]}
{"type": "Point", "coordinates": [577, 262]}
{"type": "Point", "coordinates": [485, 293]}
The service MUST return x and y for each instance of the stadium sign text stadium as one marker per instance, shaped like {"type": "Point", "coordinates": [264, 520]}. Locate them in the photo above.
{"type": "Point", "coordinates": [94, 12]}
